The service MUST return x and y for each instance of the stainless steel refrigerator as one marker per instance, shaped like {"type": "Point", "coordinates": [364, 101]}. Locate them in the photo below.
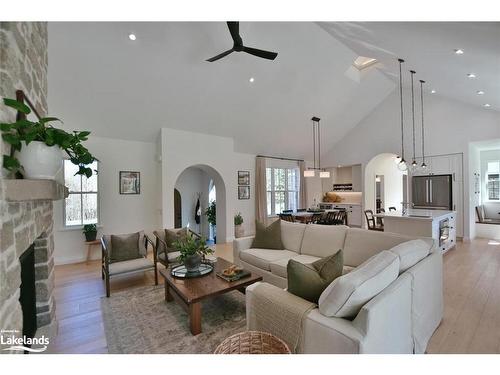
{"type": "Point", "coordinates": [432, 192]}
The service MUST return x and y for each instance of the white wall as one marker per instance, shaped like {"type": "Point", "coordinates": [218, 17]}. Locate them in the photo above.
{"type": "Point", "coordinates": [450, 126]}
{"type": "Point", "coordinates": [393, 182]}
{"type": "Point", "coordinates": [118, 213]}
{"type": "Point", "coordinates": [181, 149]}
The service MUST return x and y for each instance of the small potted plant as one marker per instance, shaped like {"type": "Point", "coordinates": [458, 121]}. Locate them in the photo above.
{"type": "Point", "coordinates": [238, 228]}
{"type": "Point", "coordinates": [192, 250]}
{"type": "Point", "coordinates": [37, 147]}
{"type": "Point", "coordinates": [90, 232]}
{"type": "Point", "coordinates": [211, 212]}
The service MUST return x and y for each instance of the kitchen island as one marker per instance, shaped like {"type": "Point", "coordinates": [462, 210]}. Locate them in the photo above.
{"type": "Point", "coordinates": [438, 224]}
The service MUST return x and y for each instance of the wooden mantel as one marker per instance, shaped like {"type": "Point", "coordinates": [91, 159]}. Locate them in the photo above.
{"type": "Point", "coordinates": [34, 190]}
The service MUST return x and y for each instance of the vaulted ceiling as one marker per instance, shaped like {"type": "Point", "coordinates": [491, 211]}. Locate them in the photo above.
{"type": "Point", "coordinates": [101, 81]}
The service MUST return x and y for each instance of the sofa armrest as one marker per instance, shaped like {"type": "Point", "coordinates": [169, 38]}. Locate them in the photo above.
{"type": "Point", "coordinates": [385, 321]}
{"type": "Point", "coordinates": [320, 334]}
{"type": "Point", "coordinates": [240, 244]}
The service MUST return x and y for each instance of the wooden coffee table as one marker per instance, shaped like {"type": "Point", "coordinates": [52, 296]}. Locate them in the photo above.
{"type": "Point", "coordinates": [190, 292]}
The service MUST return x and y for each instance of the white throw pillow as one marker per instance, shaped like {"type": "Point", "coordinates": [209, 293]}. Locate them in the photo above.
{"type": "Point", "coordinates": [347, 294]}
{"type": "Point", "coordinates": [410, 253]}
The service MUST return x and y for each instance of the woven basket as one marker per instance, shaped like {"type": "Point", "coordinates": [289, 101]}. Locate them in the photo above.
{"type": "Point", "coordinates": [252, 342]}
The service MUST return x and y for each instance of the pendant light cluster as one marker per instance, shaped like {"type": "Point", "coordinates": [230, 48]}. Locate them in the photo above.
{"type": "Point", "coordinates": [311, 172]}
{"type": "Point", "coordinates": [400, 160]}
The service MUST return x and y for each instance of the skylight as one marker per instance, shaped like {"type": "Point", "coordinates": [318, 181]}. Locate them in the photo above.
{"type": "Point", "coordinates": [364, 62]}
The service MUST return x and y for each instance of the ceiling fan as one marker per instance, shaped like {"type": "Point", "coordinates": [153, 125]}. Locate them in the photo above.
{"type": "Point", "coordinates": [234, 29]}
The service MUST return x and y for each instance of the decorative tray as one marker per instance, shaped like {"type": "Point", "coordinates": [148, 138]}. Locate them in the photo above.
{"type": "Point", "coordinates": [235, 277]}
{"type": "Point", "coordinates": [182, 273]}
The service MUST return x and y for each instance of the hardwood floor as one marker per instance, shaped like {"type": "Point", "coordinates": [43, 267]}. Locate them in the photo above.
{"type": "Point", "coordinates": [471, 298]}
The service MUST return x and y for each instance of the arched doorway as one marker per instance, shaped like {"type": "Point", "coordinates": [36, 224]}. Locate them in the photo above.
{"type": "Point", "coordinates": [385, 185]}
{"type": "Point", "coordinates": [203, 184]}
{"type": "Point", "coordinates": [177, 209]}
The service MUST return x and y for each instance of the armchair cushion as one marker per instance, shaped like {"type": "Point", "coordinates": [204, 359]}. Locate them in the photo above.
{"type": "Point", "coordinates": [132, 265]}
{"type": "Point", "coordinates": [124, 247]}
{"type": "Point", "coordinates": [172, 236]}
{"type": "Point", "coordinates": [345, 296]}
{"type": "Point", "coordinates": [171, 257]}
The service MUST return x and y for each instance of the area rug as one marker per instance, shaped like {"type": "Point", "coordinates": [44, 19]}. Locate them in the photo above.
{"type": "Point", "coordinates": [140, 321]}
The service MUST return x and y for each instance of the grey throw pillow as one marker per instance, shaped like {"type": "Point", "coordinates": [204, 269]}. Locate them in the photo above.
{"type": "Point", "coordinates": [124, 247]}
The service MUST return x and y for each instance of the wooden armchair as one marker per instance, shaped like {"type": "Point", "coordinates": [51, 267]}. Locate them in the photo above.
{"type": "Point", "coordinates": [125, 254]}
{"type": "Point", "coordinates": [166, 255]}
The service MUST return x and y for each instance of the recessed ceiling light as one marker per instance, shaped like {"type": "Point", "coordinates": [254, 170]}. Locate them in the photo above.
{"type": "Point", "coordinates": [480, 92]}
{"type": "Point", "coordinates": [251, 79]}
{"type": "Point", "coordinates": [132, 37]}
{"type": "Point", "coordinates": [486, 105]}
{"type": "Point", "coordinates": [433, 91]}
{"type": "Point", "coordinates": [471, 75]}
{"type": "Point", "coordinates": [459, 51]}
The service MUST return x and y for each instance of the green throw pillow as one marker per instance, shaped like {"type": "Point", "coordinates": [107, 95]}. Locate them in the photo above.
{"type": "Point", "coordinates": [124, 247]}
{"type": "Point", "coordinates": [268, 237]}
{"type": "Point", "coordinates": [172, 236]}
{"type": "Point", "coordinates": [309, 280]}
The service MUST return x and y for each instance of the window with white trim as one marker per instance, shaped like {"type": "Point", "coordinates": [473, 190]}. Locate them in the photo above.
{"type": "Point", "coordinates": [493, 181]}
{"type": "Point", "coordinates": [82, 205]}
{"type": "Point", "coordinates": [283, 186]}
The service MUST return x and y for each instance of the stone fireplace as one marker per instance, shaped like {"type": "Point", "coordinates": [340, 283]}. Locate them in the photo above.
{"type": "Point", "coordinates": [28, 224]}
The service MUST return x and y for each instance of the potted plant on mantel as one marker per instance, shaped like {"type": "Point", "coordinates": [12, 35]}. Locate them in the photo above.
{"type": "Point", "coordinates": [192, 250]}
{"type": "Point", "coordinates": [238, 228]}
{"type": "Point", "coordinates": [37, 146]}
{"type": "Point", "coordinates": [90, 232]}
{"type": "Point", "coordinates": [210, 212]}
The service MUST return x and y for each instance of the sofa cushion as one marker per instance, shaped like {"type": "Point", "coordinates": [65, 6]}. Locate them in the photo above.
{"type": "Point", "coordinates": [309, 280]}
{"type": "Point", "coordinates": [410, 253]}
{"type": "Point", "coordinates": [361, 244]}
{"type": "Point", "coordinates": [291, 235]}
{"type": "Point", "coordinates": [279, 267]}
{"type": "Point", "coordinates": [130, 266]}
{"type": "Point", "coordinates": [323, 240]}
{"type": "Point", "coordinates": [124, 247]}
{"type": "Point", "coordinates": [262, 258]}
{"type": "Point", "coordinates": [347, 269]}
{"type": "Point", "coordinates": [268, 237]}
{"type": "Point", "coordinates": [345, 296]}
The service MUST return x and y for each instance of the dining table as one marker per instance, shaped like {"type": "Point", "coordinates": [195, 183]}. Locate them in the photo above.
{"type": "Point", "coordinates": [306, 216]}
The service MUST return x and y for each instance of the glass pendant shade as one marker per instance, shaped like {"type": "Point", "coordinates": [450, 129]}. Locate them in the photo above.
{"type": "Point", "coordinates": [309, 173]}
{"type": "Point", "coordinates": [402, 166]}
{"type": "Point", "coordinates": [397, 159]}
{"type": "Point", "coordinates": [424, 166]}
{"type": "Point", "coordinates": [324, 174]}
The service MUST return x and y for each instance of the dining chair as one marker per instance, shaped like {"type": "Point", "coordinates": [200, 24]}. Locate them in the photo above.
{"type": "Point", "coordinates": [392, 209]}
{"type": "Point", "coordinates": [301, 209]}
{"type": "Point", "coordinates": [372, 224]}
{"type": "Point", "coordinates": [380, 221]}
{"type": "Point", "coordinates": [286, 217]}
{"type": "Point", "coordinates": [315, 218]}
{"type": "Point", "coordinates": [287, 211]}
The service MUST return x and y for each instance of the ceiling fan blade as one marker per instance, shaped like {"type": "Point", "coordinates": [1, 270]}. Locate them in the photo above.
{"type": "Point", "coordinates": [260, 53]}
{"type": "Point", "coordinates": [234, 29]}
{"type": "Point", "coordinates": [220, 56]}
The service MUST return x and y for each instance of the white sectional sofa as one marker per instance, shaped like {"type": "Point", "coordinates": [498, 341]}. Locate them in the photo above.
{"type": "Point", "coordinates": [400, 318]}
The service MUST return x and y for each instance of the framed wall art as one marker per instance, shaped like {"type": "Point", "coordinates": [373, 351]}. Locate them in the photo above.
{"type": "Point", "coordinates": [243, 192]}
{"type": "Point", "coordinates": [130, 182]}
{"type": "Point", "coordinates": [243, 178]}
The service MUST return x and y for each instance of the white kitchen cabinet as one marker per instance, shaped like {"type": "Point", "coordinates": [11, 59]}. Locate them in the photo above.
{"type": "Point", "coordinates": [353, 213]}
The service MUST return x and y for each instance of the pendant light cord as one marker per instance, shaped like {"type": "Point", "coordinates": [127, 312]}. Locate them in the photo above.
{"type": "Point", "coordinates": [422, 112]}
{"type": "Point", "coordinates": [319, 147]}
{"type": "Point", "coordinates": [401, 100]}
{"type": "Point", "coordinates": [314, 144]}
{"type": "Point", "coordinates": [413, 112]}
